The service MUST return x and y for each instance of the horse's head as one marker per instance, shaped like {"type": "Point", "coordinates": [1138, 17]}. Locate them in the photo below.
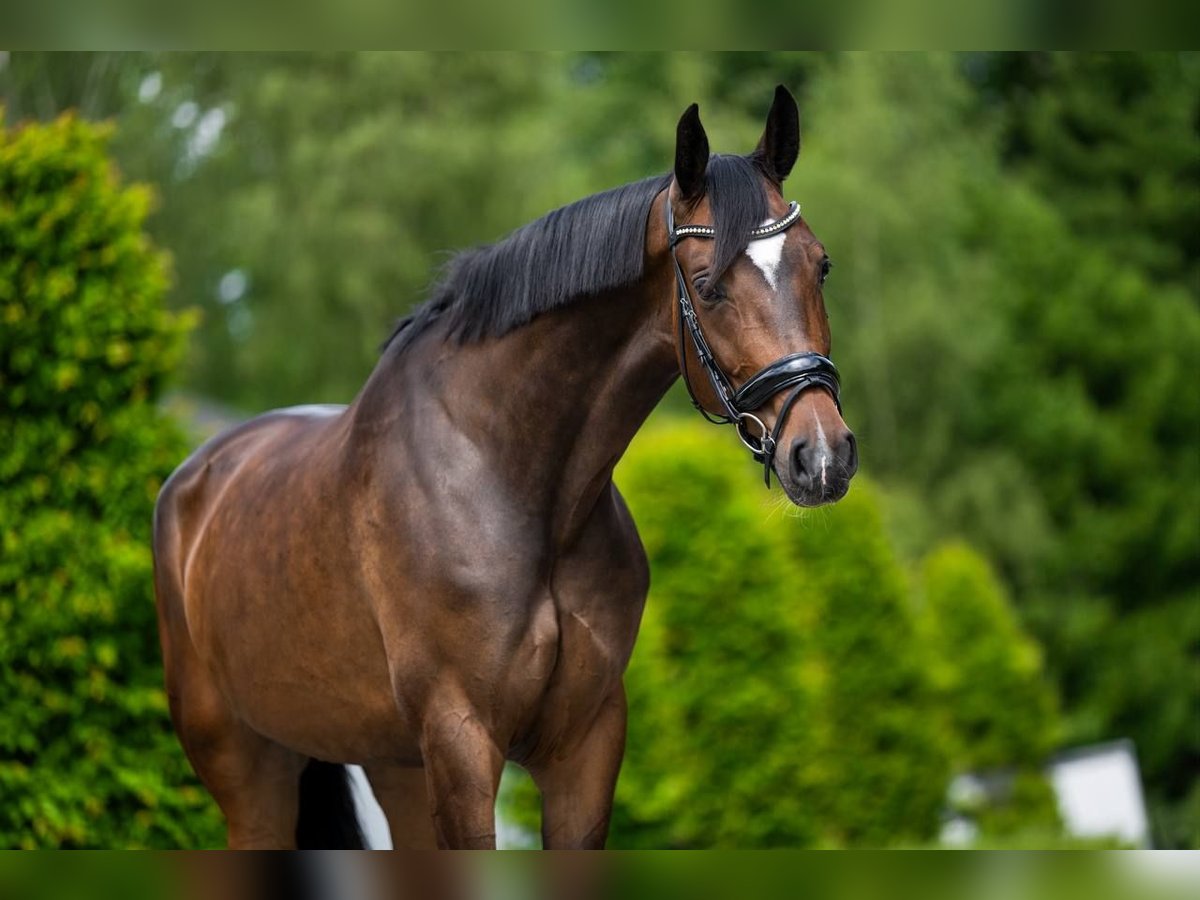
{"type": "Point", "coordinates": [751, 280]}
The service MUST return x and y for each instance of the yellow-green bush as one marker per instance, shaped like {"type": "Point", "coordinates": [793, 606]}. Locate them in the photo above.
{"type": "Point", "coordinates": [87, 754]}
{"type": "Point", "coordinates": [999, 705]}
{"type": "Point", "coordinates": [788, 688]}
{"type": "Point", "coordinates": [777, 695]}
{"type": "Point", "coordinates": [988, 673]}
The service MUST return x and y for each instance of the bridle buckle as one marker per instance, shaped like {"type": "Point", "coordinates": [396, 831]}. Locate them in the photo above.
{"type": "Point", "coordinates": [758, 445]}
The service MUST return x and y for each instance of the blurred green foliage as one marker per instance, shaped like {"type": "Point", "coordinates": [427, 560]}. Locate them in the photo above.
{"type": "Point", "coordinates": [1015, 308]}
{"type": "Point", "coordinates": [986, 672]}
{"type": "Point", "coordinates": [87, 754]}
{"type": "Point", "coordinates": [988, 677]}
{"type": "Point", "coordinates": [777, 697]}
{"type": "Point", "coordinates": [791, 685]}
{"type": "Point", "coordinates": [1015, 376]}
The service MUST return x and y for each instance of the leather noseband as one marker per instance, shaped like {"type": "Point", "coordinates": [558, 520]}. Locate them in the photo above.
{"type": "Point", "coordinates": [795, 373]}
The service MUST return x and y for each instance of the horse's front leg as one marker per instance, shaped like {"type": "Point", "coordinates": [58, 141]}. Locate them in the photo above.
{"type": "Point", "coordinates": [462, 773]}
{"type": "Point", "coordinates": [404, 797]}
{"type": "Point", "coordinates": [577, 783]}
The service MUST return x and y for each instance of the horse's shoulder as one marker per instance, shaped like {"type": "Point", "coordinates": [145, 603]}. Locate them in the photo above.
{"type": "Point", "coordinates": [611, 546]}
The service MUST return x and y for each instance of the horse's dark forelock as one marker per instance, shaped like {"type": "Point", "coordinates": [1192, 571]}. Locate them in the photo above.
{"type": "Point", "coordinates": [737, 197]}
{"type": "Point", "coordinates": [593, 245]}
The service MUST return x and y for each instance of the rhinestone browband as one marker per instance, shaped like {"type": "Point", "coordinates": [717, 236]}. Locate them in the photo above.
{"type": "Point", "coordinates": [763, 231]}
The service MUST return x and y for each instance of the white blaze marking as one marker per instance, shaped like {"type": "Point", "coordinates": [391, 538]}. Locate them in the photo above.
{"type": "Point", "coordinates": [767, 253]}
{"type": "Point", "coordinates": [822, 447]}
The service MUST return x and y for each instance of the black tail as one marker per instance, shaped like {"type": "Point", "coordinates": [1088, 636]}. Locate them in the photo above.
{"type": "Point", "coordinates": [327, 820]}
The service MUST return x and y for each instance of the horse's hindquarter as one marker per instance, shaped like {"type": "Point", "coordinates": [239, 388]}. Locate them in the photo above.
{"type": "Point", "coordinates": [272, 601]}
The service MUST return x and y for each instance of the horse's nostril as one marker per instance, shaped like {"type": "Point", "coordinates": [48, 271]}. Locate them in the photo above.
{"type": "Point", "coordinates": [798, 466]}
{"type": "Point", "coordinates": [849, 453]}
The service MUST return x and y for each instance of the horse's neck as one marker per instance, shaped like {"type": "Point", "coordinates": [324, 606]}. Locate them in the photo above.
{"type": "Point", "coordinates": [550, 407]}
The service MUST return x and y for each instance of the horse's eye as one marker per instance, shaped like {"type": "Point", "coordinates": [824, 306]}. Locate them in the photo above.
{"type": "Point", "coordinates": [706, 291]}
{"type": "Point", "coordinates": [826, 265]}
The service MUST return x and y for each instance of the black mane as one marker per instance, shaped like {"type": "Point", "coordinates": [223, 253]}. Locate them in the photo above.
{"type": "Point", "coordinates": [587, 247]}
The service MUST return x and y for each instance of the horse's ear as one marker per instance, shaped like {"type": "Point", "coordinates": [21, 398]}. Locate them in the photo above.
{"type": "Point", "coordinates": [780, 144]}
{"type": "Point", "coordinates": [691, 154]}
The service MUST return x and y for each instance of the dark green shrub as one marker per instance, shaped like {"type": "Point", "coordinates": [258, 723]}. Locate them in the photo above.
{"type": "Point", "coordinates": [87, 754]}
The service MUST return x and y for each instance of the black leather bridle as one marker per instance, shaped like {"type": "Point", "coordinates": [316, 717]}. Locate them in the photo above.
{"type": "Point", "coordinates": [797, 372]}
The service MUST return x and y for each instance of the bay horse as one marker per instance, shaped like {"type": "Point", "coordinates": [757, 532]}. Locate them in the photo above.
{"type": "Point", "coordinates": [442, 575]}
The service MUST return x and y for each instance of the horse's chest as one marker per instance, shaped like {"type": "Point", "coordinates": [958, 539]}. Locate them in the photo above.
{"type": "Point", "coordinates": [572, 647]}
{"type": "Point", "coordinates": [593, 646]}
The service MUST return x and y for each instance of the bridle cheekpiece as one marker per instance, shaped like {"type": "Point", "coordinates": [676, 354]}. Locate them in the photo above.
{"type": "Point", "coordinates": [797, 372]}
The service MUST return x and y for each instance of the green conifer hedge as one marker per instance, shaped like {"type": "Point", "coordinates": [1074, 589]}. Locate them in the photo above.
{"type": "Point", "coordinates": [87, 754]}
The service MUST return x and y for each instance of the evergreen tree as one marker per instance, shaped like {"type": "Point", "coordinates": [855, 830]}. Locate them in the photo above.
{"type": "Point", "coordinates": [88, 757]}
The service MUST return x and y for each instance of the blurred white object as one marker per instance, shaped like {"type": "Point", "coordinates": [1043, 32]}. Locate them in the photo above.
{"type": "Point", "coordinates": [1099, 792]}
{"type": "Point", "coordinates": [959, 832]}
{"type": "Point", "coordinates": [379, 837]}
